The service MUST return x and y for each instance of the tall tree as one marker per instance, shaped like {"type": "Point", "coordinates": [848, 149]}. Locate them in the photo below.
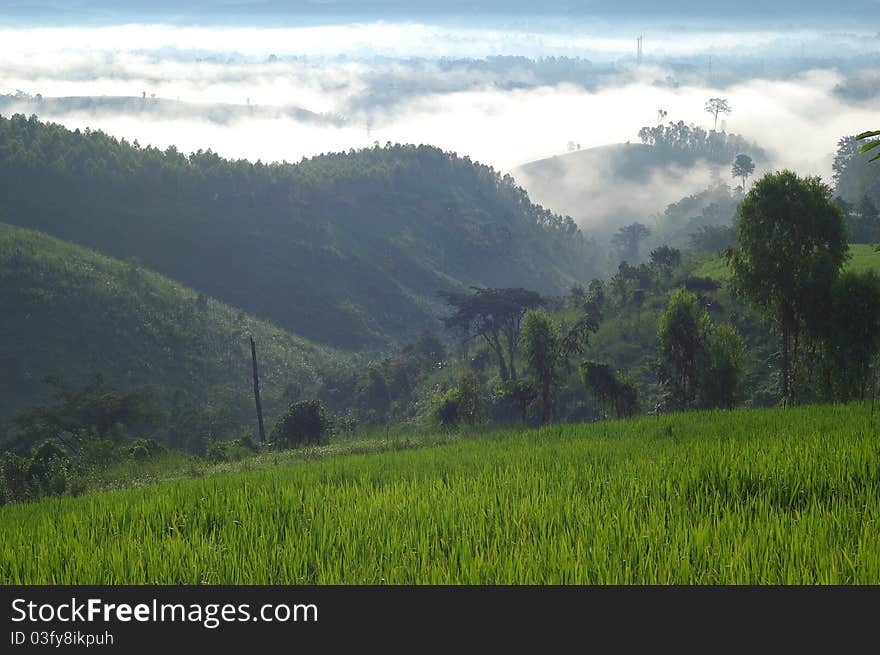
{"type": "Point", "coordinates": [850, 337]}
{"type": "Point", "coordinates": [627, 239]}
{"type": "Point", "coordinates": [791, 245]}
{"type": "Point", "coordinates": [716, 106]}
{"type": "Point", "coordinates": [494, 315]}
{"type": "Point", "coordinates": [543, 352]}
{"type": "Point", "coordinates": [743, 166]}
{"type": "Point", "coordinates": [682, 338]}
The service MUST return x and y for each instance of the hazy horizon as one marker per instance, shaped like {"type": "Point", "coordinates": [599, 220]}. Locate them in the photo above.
{"type": "Point", "coordinates": [503, 94]}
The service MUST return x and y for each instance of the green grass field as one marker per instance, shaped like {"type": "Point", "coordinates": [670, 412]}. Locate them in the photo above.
{"type": "Point", "coordinates": [749, 496]}
{"type": "Point", "coordinates": [863, 258]}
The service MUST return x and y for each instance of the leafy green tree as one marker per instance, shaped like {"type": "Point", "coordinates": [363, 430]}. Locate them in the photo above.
{"type": "Point", "coordinates": [664, 259]}
{"type": "Point", "coordinates": [98, 410]}
{"type": "Point", "coordinates": [612, 390]}
{"type": "Point", "coordinates": [576, 338]}
{"type": "Point", "coordinates": [850, 338]}
{"type": "Point", "coordinates": [542, 344]}
{"type": "Point", "coordinates": [743, 167]}
{"type": "Point", "coordinates": [791, 245]}
{"type": "Point", "coordinates": [494, 315]}
{"type": "Point", "coordinates": [682, 339]}
{"type": "Point", "coordinates": [303, 422]}
{"type": "Point", "coordinates": [461, 404]}
{"type": "Point", "coordinates": [721, 370]}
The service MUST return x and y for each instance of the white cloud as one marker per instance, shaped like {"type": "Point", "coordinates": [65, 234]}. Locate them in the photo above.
{"type": "Point", "coordinates": [501, 118]}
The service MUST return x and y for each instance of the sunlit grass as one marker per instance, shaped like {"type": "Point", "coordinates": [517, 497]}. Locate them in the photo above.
{"type": "Point", "coordinates": [750, 496]}
{"type": "Point", "coordinates": [863, 257]}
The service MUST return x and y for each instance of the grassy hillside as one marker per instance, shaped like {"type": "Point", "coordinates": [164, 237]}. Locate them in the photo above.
{"type": "Point", "coordinates": [749, 496]}
{"type": "Point", "coordinates": [346, 249]}
{"type": "Point", "coordinates": [71, 312]}
{"type": "Point", "coordinates": [863, 258]}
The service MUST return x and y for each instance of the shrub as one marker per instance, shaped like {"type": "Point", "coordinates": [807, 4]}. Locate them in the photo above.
{"type": "Point", "coordinates": [302, 422]}
{"type": "Point", "coordinates": [461, 404]}
{"type": "Point", "coordinates": [145, 449]}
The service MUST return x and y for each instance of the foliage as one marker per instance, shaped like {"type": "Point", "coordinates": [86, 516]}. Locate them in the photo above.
{"type": "Point", "coordinates": [68, 309]}
{"type": "Point", "coordinates": [346, 249]}
{"type": "Point", "coordinates": [743, 167]}
{"type": "Point", "coordinates": [495, 315]}
{"type": "Point", "coordinates": [721, 369]}
{"type": "Point", "coordinates": [542, 346]}
{"type": "Point", "coordinates": [304, 422]}
{"type": "Point", "coordinates": [717, 147]}
{"type": "Point", "coordinates": [627, 239]}
{"type": "Point", "coordinates": [230, 451]}
{"type": "Point", "coordinates": [850, 337]}
{"type": "Point", "coordinates": [463, 404]}
{"type": "Point", "coordinates": [682, 338]}
{"type": "Point", "coordinates": [791, 245]}
{"type": "Point", "coordinates": [97, 411]}
{"type": "Point", "coordinates": [699, 364]}
{"type": "Point", "coordinates": [612, 390]}
{"type": "Point", "coordinates": [855, 176]}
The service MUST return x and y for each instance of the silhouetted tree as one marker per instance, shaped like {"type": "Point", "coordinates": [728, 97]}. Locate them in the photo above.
{"type": "Point", "coordinates": [717, 106]}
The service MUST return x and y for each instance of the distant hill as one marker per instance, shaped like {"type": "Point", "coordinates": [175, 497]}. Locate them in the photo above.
{"type": "Point", "coordinates": [68, 311]}
{"type": "Point", "coordinates": [609, 186]}
{"type": "Point", "coordinates": [346, 249]}
{"type": "Point", "coordinates": [153, 108]}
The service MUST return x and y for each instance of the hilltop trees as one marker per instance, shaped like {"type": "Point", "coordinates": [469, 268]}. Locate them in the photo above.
{"type": "Point", "coordinates": [791, 245]}
{"type": "Point", "coordinates": [687, 142]}
{"type": "Point", "coordinates": [716, 106]}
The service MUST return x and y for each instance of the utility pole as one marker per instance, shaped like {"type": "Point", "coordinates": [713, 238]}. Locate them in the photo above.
{"type": "Point", "coordinates": [257, 393]}
{"type": "Point", "coordinates": [639, 50]}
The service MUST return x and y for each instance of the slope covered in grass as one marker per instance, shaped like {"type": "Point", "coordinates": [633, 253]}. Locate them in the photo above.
{"type": "Point", "coordinates": [749, 496]}
{"type": "Point", "coordinates": [70, 312]}
{"type": "Point", "coordinates": [863, 257]}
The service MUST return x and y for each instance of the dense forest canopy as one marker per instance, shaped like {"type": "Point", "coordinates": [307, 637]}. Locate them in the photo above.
{"type": "Point", "coordinates": [347, 249]}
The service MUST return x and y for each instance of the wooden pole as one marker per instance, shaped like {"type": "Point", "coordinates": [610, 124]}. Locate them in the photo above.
{"type": "Point", "coordinates": [257, 392]}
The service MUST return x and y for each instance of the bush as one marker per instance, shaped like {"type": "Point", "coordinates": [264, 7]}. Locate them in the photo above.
{"type": "Point", "coordinates": [141, 449]}
{"type": "Point", "coordinates": [461, 404]}
{"type": "Point", "coordinates": [511, 402]}
{"type": "Point", "coordinates": [306, 421]}
{"type": "Point", "coordinates": [100, 452]}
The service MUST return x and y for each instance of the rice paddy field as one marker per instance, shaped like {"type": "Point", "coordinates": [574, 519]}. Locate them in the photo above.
{"type": "Point", "coordinates": [746, 496]}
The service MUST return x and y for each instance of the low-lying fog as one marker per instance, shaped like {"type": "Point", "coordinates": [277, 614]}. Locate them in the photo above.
{"type": "Point", "coordinates": [504, 96]}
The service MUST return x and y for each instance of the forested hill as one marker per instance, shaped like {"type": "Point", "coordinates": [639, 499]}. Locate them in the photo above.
{"type": "Point", "coordinates": [348, 249]}
{"type": "Point", "coordinates": [69, 312]}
